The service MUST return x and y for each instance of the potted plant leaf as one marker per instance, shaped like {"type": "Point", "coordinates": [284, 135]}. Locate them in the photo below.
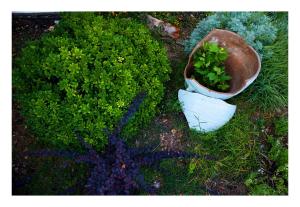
{"type": "Point", "coordinates": [209, 67]}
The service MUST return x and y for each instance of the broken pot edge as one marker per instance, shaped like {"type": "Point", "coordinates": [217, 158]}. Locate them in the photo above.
{"type": "Point", "coordinates": [246, 76]}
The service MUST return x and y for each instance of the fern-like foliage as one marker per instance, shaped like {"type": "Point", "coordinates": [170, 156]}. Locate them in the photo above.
{"type": "Point", "coordinates": [255, 27]}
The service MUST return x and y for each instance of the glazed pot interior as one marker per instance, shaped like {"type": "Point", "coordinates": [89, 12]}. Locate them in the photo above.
{"type": "Point", "coordinates": [242, 62]}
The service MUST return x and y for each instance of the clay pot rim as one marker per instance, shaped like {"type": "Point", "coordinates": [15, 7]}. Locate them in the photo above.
{"type": "Point", "coordinates": [219, 92]}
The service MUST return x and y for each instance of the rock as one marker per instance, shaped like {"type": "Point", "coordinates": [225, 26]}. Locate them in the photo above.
{"type": "Point", "coordinates": [165, 28]}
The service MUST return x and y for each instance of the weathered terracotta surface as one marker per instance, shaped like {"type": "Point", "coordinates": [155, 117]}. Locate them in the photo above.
{"type": "Point", "coordinates": [242, 63]}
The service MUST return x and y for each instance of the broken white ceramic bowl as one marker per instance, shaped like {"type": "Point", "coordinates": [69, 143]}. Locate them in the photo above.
{"type": "Point", "coordinates": [203, 113]}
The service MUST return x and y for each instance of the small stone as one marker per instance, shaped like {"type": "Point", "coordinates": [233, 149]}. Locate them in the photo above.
{"type": "Point", "coordinates": [261, 171]}
{"type": "Point", "coordinates": [156, 184]}
{"type": "Point", "coordinates": [51, 28]}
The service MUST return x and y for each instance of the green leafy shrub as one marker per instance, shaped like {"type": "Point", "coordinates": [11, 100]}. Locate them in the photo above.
{"type": "Point", "coordinates": [272, 177]}
{"type": "Point", "coordinates": [281, 126]}
{"type": "Point", "coordinates": [84, 75]}
{"type": "Point", "coordinates": [209, 66]}
{"type": "Point", "coordinates": [276, 182]}
{"type": "Point", "coordinates": [255, 27]}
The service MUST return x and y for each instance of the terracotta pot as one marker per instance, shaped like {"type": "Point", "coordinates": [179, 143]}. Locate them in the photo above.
{"type": "Point", "coordinates": [243, 64]}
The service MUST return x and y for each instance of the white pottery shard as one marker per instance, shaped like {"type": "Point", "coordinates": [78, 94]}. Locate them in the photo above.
{"type": "Point", "coordinates": [203, 113]}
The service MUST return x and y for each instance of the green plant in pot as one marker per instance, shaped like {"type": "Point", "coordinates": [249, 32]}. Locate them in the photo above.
{"type": "Point", "coordinates": [209, 68]}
